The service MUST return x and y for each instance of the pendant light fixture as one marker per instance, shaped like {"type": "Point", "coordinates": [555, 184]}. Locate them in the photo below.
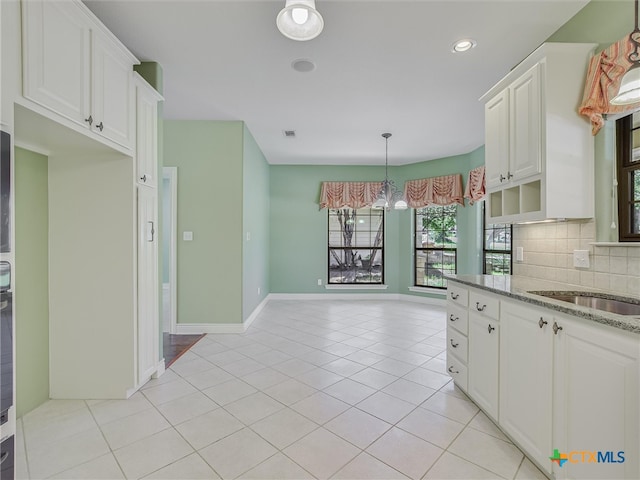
{"type": "Point", "coordinates": [299, 20]}
{"type": "Point", "coordinates": [630, 85]}
{"type": "Point", "coordinates": [389, 196]}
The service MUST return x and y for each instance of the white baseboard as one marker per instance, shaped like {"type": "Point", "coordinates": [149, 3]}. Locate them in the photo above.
{"type": "Point", "coordinates": [255, 313]}
{"type": "Point", "coordinates": [160, 369]}
{"type": "Point", "coordinates": [333, 296]}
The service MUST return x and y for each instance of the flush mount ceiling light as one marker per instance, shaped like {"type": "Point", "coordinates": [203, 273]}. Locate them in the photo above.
{"type": "Point", "coordinates": [463, 45]}
{"type": "Point", "coordinates": [299, 20]}
{"type": "Point", "coordinates": [629, 91]}
{"type": "Point", "coordinates": [388, 196]}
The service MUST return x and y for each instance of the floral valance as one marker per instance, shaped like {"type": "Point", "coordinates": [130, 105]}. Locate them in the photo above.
{"type": "Point", "coordinates": [348, 194]}
{"type": "Point", "coordinates": [475, 189]}
{"type": "Point", "coordinates": [603, 81]}
{"type": "Point", "coordinates": [445, 190]}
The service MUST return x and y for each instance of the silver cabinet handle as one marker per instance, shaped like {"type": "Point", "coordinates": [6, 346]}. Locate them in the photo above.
{"type": "Point", "coordinates": [509, 175]}
{"type": "Point", "coordinates": [502, 179]}
{"type": "Point", "coordinates": [480, 308]}
{"type": "Point", "coordinates": [454, 345]}
{"type": "Point", "coordinates": [89, 120]}
{"type": "Point", "coordinates": [144, 177]}
{"type": "Point", "coordinates": [542, 322]}
{"type": "Point", "coordinates": [452, 371]}
{"type": "Point", "coordinates": [556, 327]}
{"type": "Point", "coordinates": [490, 328]}
{"type": "Point", "coordinates": [454, 295]}
{"type": "Point", "coordinates": [453, 319]}
{"type": "Point", "coordinates": [150, 232]}
{"type": "Point", "coordinates": [100, 126]}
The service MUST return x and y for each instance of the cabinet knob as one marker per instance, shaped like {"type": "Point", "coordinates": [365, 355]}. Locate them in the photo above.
{"type": "Point", "coordinates": [454, 345]}
{"type": "Point", "coordinates": [143, 178]}
{"type": "Point", "coordinates": [455, 295]}
{"type": "Point", "coordinates": [480, 308]}
{"type": "Point", "coordinates": [451, 370]}
{"type": "Point", "coordinates": [453, 319]}
{"type": "Point", "coordinates": [502, 179]}
{"type": "Point", "coordinates": [490, 328]}
{"type": "Point", "coordinates": [100, 126]}
{"type": "Point", "coordinates": [89, 120]}
{"type": "Point", "coordinates": [509, 175]}
{"type": "Point", "coordinates": [542, 322]}
{"type": "Point", "coordinates": [556, 327]}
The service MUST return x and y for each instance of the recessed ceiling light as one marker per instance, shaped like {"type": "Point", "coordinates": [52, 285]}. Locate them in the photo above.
{"type": "Point", "coordinates": [303, 65]}
{"type": "Point", "coordinates": [463, 45]}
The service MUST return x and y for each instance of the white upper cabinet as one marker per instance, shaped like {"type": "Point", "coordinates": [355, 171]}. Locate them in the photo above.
{"type": "Point", "coordinates": [536, 143]}
{"type": "Point", "coordinates": [76, 68]}
{"type": "Point", "coordinates": [147, 99]}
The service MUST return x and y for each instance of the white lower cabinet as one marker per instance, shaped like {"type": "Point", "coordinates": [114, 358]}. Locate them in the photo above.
{"type": "Point", "coordinates": [148, 319]}
{"type": "Point", "coordinates": [596, 420]}
{"type": "Point", "coordinates": [526, 377]}
{"type": "Point", "coordinates": [553, 382]}
{"type": "Point", "coordinates": [484, 334]}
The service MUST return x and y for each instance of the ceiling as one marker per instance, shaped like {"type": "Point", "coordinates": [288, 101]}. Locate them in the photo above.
{"type": "Point", "coordinates": [381, 66]}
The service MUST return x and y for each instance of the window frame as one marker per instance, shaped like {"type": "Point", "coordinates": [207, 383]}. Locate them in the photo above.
{"type": "Point", "coordinates": [485, 250]}
{"type": "Point", "coordinates": [381, 248]}
{"type": "Point", "coordinates": [442, 249]}
{"type": "Point", "coordinates": [625, 168]}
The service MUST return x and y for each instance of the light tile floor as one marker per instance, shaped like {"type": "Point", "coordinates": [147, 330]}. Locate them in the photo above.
{"type": "Point", "coordinates": [313, 389]}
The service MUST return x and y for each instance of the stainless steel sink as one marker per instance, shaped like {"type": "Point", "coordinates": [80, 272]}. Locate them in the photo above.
{"type": "Point", "coordinates": [595, 300]}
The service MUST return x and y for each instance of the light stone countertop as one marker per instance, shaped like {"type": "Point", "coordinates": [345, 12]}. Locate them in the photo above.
{"type": "Point", "coordinates": [519, 288]}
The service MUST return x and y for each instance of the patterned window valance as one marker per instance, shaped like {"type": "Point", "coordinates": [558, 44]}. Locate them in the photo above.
{"type": "Point", "coordinates": [475, 189]}
{"type": "Point", "coordinates": [603, 81]}
{"type": "Point", "coordinates": [445, 190]}
{"type": "Point", "coordinates": [348, 194]}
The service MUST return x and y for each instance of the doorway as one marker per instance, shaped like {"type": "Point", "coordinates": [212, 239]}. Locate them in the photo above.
{"type": "Point", "coordinates": [169, 248]}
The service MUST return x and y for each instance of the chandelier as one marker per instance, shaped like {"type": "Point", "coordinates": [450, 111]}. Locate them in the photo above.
{"type": "Point", "coordinates": [630, 84]}
{"type": "Point", "coordinates": [389, 196]}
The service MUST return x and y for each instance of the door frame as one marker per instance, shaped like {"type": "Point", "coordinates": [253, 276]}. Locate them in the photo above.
{"type": "Point", "coordinates": [171, 173]}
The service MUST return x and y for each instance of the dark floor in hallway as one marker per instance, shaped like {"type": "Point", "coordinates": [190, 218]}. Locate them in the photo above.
{"type": "Point", "coordinates": [174, 346]}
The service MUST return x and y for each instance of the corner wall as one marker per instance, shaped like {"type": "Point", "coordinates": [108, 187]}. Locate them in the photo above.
{"type": "Point", "coordinates": [209, 158]}
{"type": "Point", "coordinates": [31, 301]}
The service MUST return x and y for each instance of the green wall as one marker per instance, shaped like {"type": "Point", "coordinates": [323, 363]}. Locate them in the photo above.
{"type": "Point", "coordinates": [255, 225]}
{"type": "Point", "coordinates": [299, 229]}
{"type": "Point", "coordinates": [208, 155]}
{"type": "Point", "coordinates": [32, 285]}
{"type": "Point", "coordinates": [603, 22]}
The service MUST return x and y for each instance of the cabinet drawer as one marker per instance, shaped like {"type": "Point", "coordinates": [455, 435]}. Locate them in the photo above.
{"type": "Point", "coordinates": [484, 305]}
{"type": "Point", "coordinates": [457, 318]}
{"type": "Point", "coordinates": [457, 344]}
{"type": "Point", "coordinates": [458, 371]}
{"type": "Point", "coordinates": [458, 295]}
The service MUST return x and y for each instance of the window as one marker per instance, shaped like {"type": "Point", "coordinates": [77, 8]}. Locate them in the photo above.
{"type": "Point", "coordinates": [435, 245]}
{"type": "Point", "coordinates": [628, 142]}
{"type": "Point", "coordinates": [496, 247]}
{"type": "Point", "coordinates": [356, 246]}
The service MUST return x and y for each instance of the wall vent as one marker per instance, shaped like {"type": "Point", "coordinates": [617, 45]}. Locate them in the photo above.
{"type": "Point", "coordinates": [289, 133]}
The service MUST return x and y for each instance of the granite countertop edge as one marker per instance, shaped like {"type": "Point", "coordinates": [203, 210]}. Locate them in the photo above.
{"type": "Point", "coordinates": [519, 287]}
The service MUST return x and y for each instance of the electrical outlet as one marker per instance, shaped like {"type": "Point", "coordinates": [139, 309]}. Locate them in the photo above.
{"type": "Point", "coordinates": [581, 258]}
{"type": "Point", "coordinates": [319, 281]}
{"type": "Point", "coordinates": [519, 254]}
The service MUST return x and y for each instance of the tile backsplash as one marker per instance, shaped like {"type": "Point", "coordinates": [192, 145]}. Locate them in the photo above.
{"type": "Point", "coordinates": [548, 254]}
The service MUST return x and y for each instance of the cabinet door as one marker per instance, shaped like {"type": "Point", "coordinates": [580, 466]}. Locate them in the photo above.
{"type": "Point", "coordinates": [596, 401]}
{"type": "Point", "coordinates": [112, 95]}
{"type": "Point", "coordinates": [497, 139]}
{"type": "Point", "coordinates": [148, 318]}
{"type": "Point", "coordinates": [483, 363]}
{"type": "Point", "coordinates": [525, 115]}
{"type": "Point", "coordinates": [56, 57]}
{"type": "Point", "coordinates": [526, 353]}
{"type": "Point", "coordinates": [146, 134]}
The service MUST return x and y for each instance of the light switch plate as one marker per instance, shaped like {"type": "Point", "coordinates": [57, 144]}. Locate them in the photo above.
{"type": "Point", "coordinates": [581, 258]}
{"type": "Point", "coordinates": [519, 254]}
{"type": "Point", "coordinates": [187, 236]}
